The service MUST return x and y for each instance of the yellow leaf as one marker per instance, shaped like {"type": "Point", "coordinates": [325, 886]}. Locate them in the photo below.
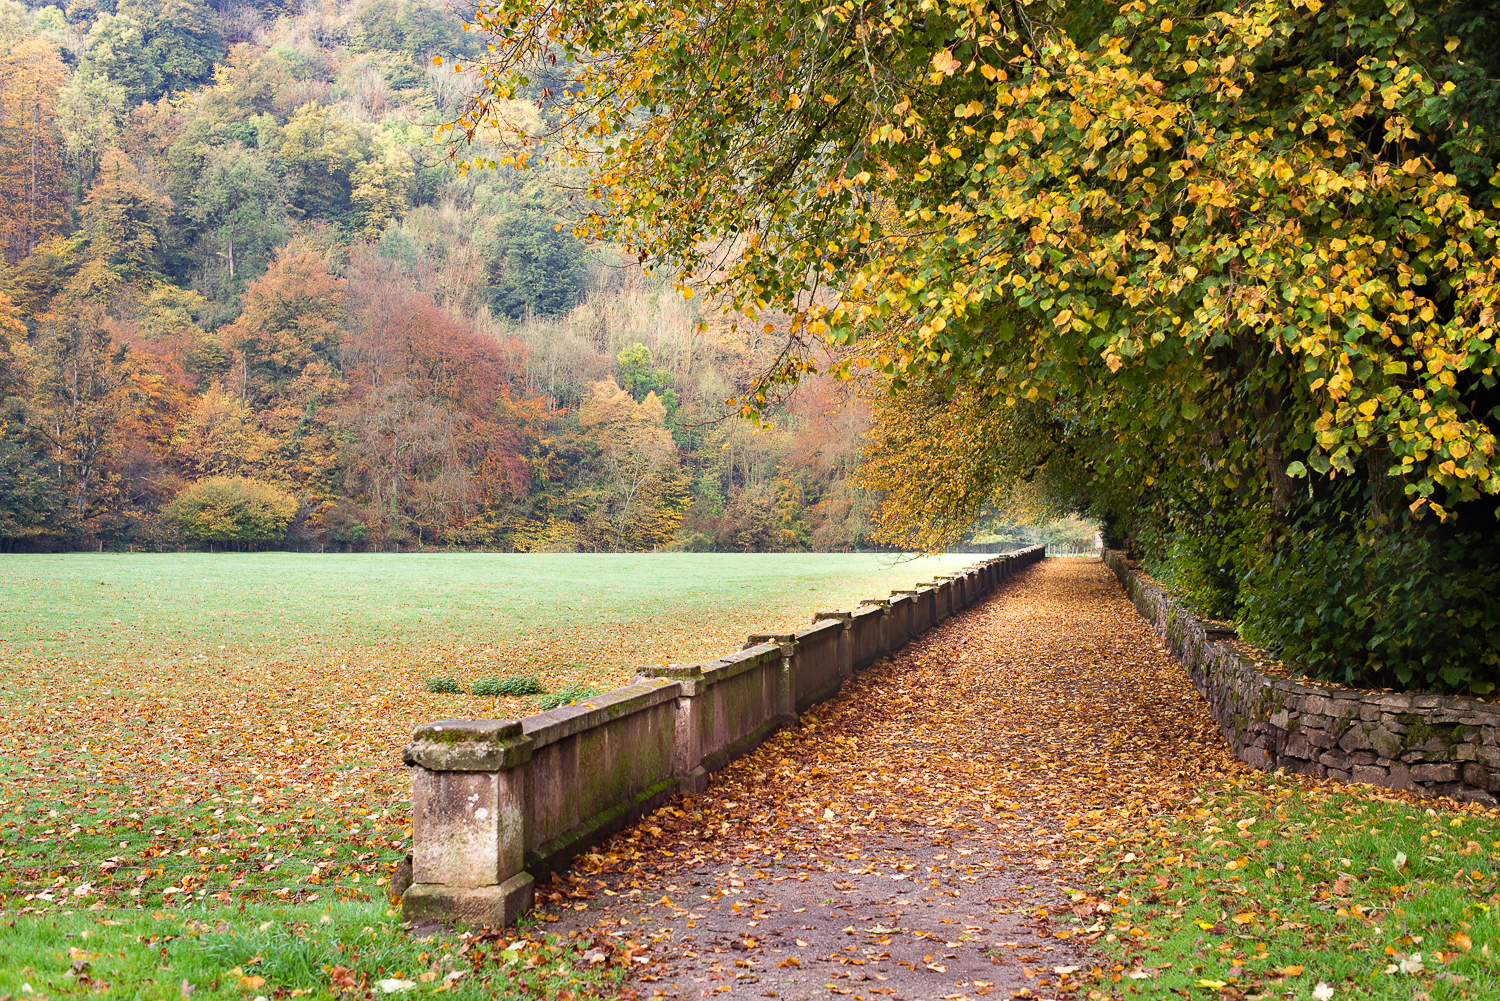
{"type": "Point", "coordinates": [1461, 940]}
{"type": "Point", "coordinates": [1244, 917]}
{"type": "Point", "coordinates": [252, 982]}
{"type": "Point", "coordinates": [1290, 971]}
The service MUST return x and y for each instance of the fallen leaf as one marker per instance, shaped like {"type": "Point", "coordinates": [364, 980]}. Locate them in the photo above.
{"type": "Point", "coordinates": [393, 986]}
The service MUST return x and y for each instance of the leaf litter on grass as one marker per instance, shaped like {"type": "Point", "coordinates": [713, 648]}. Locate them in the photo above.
{"type": "Point", "coordinates": [245, 754]}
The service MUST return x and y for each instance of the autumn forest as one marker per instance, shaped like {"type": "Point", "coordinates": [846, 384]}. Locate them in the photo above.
{"type": "Point", "coordinates": [244, 297]}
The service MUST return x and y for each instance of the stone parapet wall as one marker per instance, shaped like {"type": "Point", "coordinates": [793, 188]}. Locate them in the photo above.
{"type": "Point", "coordinates": [497, 804]}
{"type": "Point", "coordinates": [1434, 745]}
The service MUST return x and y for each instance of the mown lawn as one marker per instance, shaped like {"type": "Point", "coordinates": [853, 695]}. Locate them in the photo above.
{"type": "Point", "coordinates": [200, 785]}
{"type": "Point", "coordinates": [1279, 886]}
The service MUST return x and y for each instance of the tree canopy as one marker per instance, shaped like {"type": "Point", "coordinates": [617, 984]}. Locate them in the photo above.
{"type": "Point", "coordinates": [1229, 268]}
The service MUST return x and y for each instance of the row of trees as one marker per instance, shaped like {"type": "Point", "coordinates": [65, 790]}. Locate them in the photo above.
{"type": "Point", "coordinates": [1222, 274]}
{"type": "Point", "coordinates": [243, 299]}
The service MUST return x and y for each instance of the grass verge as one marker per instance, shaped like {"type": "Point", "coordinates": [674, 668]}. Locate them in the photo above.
{"type": "Point", "coordinates": [317, 950]}
{"type": "Point", "coordinates": [1276, 886]}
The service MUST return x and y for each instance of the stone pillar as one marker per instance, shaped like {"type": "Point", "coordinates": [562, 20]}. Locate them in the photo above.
{"type": "Point", "coordinates": [942, 598]}
{"type": "Point", "coordinates": [885, 623]}
{"type": "Point", "coordinates": [687, 745]}
{"type": "Point", "coordinates": [846, 641]}
{"type": "Point", "coordinates": [786, 693]}
{"type": "Point", "coordinates": [469, 787]}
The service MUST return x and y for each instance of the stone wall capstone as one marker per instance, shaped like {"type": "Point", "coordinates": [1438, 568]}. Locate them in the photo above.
{"type": "Point", "coordinates": [1433, 745]}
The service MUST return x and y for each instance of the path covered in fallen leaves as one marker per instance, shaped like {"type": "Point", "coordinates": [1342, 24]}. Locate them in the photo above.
{"type": "Point", "coordinates": [923, 834]}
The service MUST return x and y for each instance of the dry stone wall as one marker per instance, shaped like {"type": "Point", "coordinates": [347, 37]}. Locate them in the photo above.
{"type": "Point", "coordinates": [497, 804]}
{"type": "Point", "coordinates": [1430, 744]}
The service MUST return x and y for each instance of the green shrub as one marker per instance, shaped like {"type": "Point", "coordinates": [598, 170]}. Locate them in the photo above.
{"type": "Point", "coordinates": [564, 696]}
{"type": "Point", "coordinates": [232, 509]}
{"type": "Point", "coordinates": [515, 684]}
{"type": "Point", "coordinates": [444, 685]}
{"type": "Point", "coordinates": [1409, 610]}
{"type": "Point", "coordinates": [1201, 571]}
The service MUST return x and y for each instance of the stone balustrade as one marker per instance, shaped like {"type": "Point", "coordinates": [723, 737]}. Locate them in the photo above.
{"type": "Point", "coordinates": [497, 804]}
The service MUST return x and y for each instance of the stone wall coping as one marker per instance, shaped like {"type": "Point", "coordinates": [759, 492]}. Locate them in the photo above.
{"type": "Point", "coordinates": [867, 608]}
{"type": "Point", "coordinates": [820, 631]}
{"type": "Point", "coordinates": [564, 721]}
{"type": "Point", "coordinates": [468, 745]}
{"type": "Point", "coordinates": [738, 663]}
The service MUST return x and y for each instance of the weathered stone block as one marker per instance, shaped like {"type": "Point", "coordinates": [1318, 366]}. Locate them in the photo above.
{"type": "Point", "coordinates": [1385, 743]}
{"type": "Point", "coordinates": [1343, 705]}
{"type": "Point", "coordinates": [1353, 739]}
{"type": "Point", "coordinates": [1321, 738]}
{"type": "Point", "coordinates": [1464, 752]}
{"type": "Point", "coordinates": [1435, 747]}
{"type": "Point", "coordinates": [1469, 794]}
{"type": "Point", "coordinates": [478, 907]}
{"type": "Point", "coordinates": [1298, 746]}
{"type": "Point", "coordinates": [1371, 774]}
{"type": "Point", "coordinates": [1477, 775]}
{"type": "Point", "coordinates": [1429, 773]}
{"type": "Point", "coordinates": [1336, 759]}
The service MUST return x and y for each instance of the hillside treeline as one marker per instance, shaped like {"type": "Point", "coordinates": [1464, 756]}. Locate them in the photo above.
{"type": "Point", "coordinates": [244, 298]}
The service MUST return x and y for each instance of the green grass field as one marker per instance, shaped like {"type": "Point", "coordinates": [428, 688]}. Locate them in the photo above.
{"type": "Point", "coordinates": [101, 611]}
{"type": "Point", "coordinates": [199, 754]}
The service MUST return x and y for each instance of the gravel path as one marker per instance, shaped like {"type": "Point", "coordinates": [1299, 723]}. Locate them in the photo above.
{"type": "Point", "coordinates": [917, 837]}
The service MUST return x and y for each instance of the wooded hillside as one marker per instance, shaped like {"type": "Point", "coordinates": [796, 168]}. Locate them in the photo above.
{"type": "Point", "coordinates": [244, 297]}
